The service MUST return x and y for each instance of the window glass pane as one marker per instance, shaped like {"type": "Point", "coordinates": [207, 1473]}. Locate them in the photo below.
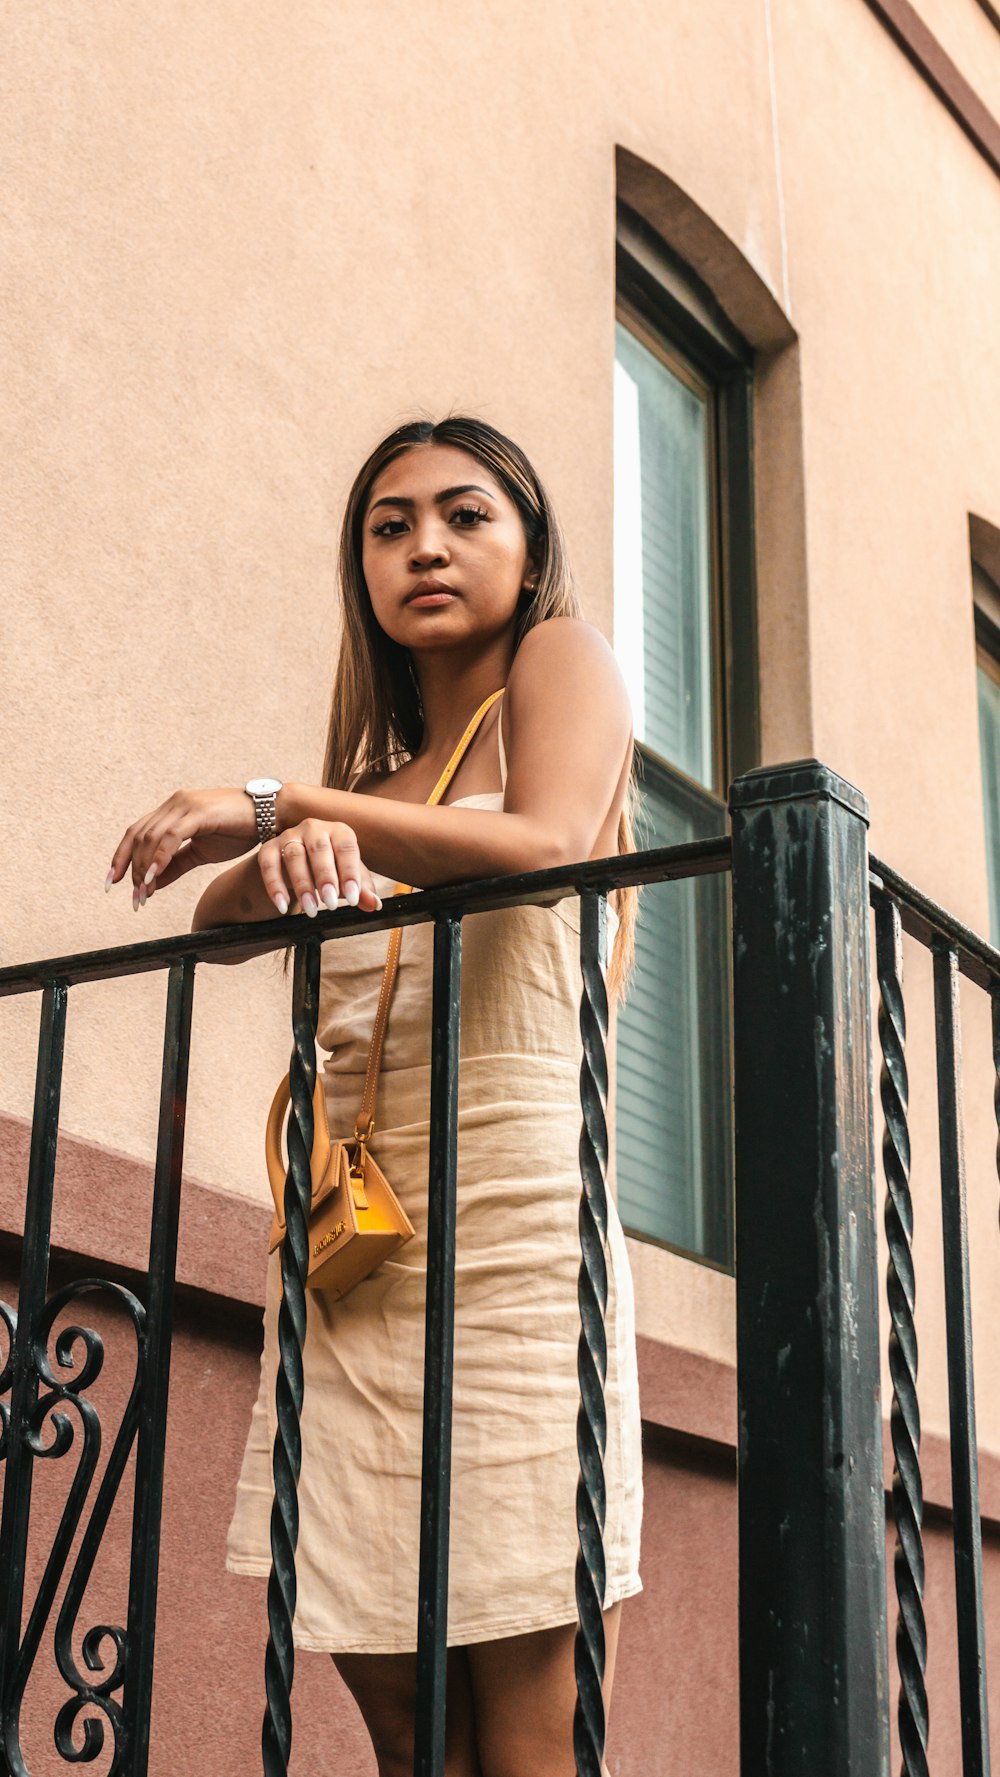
{"type": "Point", "coordinates": [989, 748]}
{"type": "Point", "coordinates": [673, 1145]}
{"type": "Point", "coordinates": [662, 561]}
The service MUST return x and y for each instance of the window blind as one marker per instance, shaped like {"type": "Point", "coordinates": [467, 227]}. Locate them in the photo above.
{"type": "Point", "coordinates": [671, 1149]}
{"type": "Point", "coordinates": [662, 579]}
{"type": "Point", "coordinates": [989, 751]}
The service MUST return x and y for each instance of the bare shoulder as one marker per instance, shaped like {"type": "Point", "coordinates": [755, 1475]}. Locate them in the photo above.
{"type": "Point", "coordinates": [569, 659]}
{"type": "Point", "coordinates": [564, 638]}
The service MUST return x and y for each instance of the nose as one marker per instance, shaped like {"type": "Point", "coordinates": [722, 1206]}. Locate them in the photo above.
{"type": "Point", "coordinates": [429, 544]}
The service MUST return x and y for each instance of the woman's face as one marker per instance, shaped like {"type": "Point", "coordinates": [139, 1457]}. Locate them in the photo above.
{"type": "Point", "coordinates": [444, 551]}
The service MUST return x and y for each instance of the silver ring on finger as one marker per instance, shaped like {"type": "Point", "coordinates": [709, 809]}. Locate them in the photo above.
{"type": "Point", "coordinates": [291, 842]}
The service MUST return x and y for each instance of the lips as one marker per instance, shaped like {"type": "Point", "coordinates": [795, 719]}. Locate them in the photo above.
{"type": "Point", "coordinates": [429, 591]}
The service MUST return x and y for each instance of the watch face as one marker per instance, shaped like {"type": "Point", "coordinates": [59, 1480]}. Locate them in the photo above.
{"type": "Point", "coordinates": [263, 786]}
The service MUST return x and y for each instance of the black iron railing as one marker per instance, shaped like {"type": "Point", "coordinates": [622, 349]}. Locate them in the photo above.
{"type": "Point", "coordinates": [955, 951]}
{"type": "Point", "coordinates": [813, 1617]}
{"type": "Point", "coordinates": [111, 1695]}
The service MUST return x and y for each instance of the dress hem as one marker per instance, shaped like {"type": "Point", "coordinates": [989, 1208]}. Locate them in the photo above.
{"type": "Point", "coordinates": [461, 1637]}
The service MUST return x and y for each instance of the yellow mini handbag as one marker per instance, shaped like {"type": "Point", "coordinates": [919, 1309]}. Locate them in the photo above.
{"type": "Point", "coordinates": [356, 1220]}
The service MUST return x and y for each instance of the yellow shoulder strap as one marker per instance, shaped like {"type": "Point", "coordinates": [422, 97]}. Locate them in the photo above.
{"type": "Point", "coordinates": [365, 1123]}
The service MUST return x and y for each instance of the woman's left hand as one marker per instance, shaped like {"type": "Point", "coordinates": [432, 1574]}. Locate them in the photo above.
{"type": "Point", "coordinates": [317, 862]}
{"type": "Point", "coordinates": [191, 827]}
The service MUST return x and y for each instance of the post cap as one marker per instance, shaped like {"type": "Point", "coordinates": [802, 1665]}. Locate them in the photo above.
{"type": "Point", "coordinates": [798, 780]}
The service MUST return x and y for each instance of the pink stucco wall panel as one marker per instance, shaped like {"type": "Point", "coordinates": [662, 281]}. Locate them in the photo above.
{"type": "Point", "coordinates": [675, 1708]}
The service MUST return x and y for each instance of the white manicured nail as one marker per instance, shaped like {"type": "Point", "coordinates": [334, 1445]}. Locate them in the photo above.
{"type": "Point", "coordinates": [281, 903]}
{"type": "Point", "coordinates": [352, 891]}
{"type": "Point", "coordinates": [329, 895]}
{"type": "Point", "coordinates": [109, 881]}
{"type": "Point", "coordinates": [309, 905]}
{"type": "Point", "coordinates": [150, 873]}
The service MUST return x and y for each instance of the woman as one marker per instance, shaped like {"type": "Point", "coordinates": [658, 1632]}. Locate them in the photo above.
{"type": "Point", "coordinates": [454, 585]}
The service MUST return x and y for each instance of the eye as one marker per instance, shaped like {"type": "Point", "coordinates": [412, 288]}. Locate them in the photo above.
{"type": "Point", "coordinates": [468, 516]}
{"type": "Point", "coordinates": [389, 527]}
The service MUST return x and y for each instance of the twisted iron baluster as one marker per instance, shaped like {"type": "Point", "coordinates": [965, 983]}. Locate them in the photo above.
{"type": "Point", "coordinates": [907, 1488]}
{"type": "Point", "coordinates": [279, 1660]}
{"type": "Point", "coordinates": [592, 1356]}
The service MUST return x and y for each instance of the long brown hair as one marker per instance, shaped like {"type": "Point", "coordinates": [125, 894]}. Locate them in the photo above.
{"type": "Point", "coordinates": [376, 719]}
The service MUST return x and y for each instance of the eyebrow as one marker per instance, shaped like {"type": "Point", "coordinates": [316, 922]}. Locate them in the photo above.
{"type": "Point", "coordinates": [447, 493]}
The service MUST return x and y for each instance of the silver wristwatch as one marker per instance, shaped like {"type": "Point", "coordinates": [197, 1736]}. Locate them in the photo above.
{"type": "Point", "coordinates": [263, 792]}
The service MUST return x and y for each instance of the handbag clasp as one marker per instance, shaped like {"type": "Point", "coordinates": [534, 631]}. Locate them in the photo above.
{"type": "Point", "coordinates": [357, 1165]}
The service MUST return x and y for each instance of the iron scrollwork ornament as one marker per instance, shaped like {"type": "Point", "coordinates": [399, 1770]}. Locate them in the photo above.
{"type": "Point", "coordinates": [61, 1411]}
{"type": "Point", "coordinates": [8, 1320]}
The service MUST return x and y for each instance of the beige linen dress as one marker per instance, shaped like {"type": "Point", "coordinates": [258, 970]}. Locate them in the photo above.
{"type": "Point", "coordinates": [514, 1458]}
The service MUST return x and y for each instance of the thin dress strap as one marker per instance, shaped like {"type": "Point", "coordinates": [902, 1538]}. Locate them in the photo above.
{"type": "Point", "coordinates": [503, 756]}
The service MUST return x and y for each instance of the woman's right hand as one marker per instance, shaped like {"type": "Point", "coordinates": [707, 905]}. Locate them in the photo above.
{"type": "Point", "coordinates": [191, 827]}
{"type": "Point", "coordinates": [314, 863]}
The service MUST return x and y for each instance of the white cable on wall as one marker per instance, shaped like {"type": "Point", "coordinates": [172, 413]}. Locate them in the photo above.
{"type": "Point", "coordinates": [778, 176]}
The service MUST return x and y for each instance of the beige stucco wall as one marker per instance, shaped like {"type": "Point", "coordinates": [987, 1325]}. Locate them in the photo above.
{"type": "Point", "coordinates": [245, 242]}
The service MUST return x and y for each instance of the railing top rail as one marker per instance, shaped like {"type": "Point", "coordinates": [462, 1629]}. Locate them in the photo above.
{"type": "Point", "coordinates": [926, 921]}
{"type": "Point", "coordinates": [701, 857]}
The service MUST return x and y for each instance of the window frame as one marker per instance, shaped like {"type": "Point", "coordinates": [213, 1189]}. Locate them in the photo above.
{"type": "Point", "coordinates": [986, 614]}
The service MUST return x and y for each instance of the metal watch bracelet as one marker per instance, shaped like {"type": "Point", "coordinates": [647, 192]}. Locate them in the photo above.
{"type": "Point", "coordinates": [263, 792]}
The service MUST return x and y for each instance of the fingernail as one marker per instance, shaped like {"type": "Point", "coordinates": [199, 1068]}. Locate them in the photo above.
{"type": "Point", "coordinates": [329, 895]}
{"type": "Point", "coordinates": [109, 881]}
{"type": "Point", "coordinates": [150, 873]}
{"type": "Point", "coordinates": [309, 905]}
{"type": "Point", "coordinates": [378, 904]}
{"type": "Point", "coordinates": [135, 900]}
{"type": "Point", "coordinates": [352, 891]}
{"type": "Point", "coordinates": [281, 903]}
{"type": "Point", "coordinates": [142, 893]}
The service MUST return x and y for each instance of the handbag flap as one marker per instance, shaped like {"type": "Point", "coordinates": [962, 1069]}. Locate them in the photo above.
{"type": "Point", "coordinates": [335, 1178]}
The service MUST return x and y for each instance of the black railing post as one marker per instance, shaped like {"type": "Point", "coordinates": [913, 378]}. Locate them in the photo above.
{"type": "Point", "coordinates": [439, 1348]}
{"type": "Point", "coordinates": [152, 1429]}
{"type": "Point", "coordinates": [966, 1526]}
{"type": "Point", "coordinates": [814, 1684]}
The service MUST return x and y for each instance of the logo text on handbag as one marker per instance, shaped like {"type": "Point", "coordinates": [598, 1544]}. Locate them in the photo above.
{"type": "Point", "coordinates": [328, 1239]}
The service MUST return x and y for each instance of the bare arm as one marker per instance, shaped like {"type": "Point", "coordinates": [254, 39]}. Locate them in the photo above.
{"type": "Point", "coordinates": [568, 725]}
{"type": "Point", "coordinates": [569, 719]}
